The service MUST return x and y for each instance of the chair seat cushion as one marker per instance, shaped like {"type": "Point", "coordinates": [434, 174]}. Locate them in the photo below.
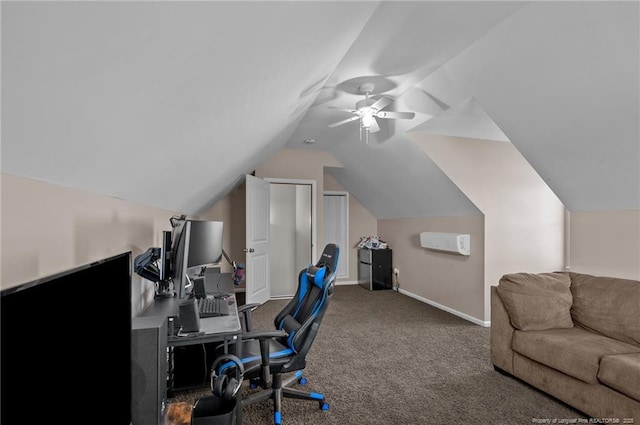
{"type": "Point", "coordinates": [621, 372]}
{"type": "Point", "coordinates": [279, 355]}
{"type": "Point", "coordinates": [573, 351]}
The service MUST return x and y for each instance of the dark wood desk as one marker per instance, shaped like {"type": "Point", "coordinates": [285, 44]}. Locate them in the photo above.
{"type": "Point", "coordinates": [214, 328]}
{"type": "Point", "coordinates": [222, 329]}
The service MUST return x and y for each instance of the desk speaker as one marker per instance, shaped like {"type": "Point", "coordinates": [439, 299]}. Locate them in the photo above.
{"type": "Point", "coordinates": [189, 316]}
{"type": "Point", "coordinates": [148, 370]}
{"type": "Point", "coordinates": [199, 290]}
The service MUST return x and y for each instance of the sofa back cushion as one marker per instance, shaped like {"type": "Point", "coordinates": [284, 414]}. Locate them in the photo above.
{"type": "Point", "coordinates": [537, 301]}
{"type": "Point", "coordinates": [607, 305]}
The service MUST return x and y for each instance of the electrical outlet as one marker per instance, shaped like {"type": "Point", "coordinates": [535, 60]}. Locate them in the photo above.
{"type": "Point", "coordinates": [396, 271]}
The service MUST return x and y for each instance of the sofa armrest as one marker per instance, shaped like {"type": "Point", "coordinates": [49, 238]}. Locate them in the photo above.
{"type": "Point", "coordinates": [501, 334]}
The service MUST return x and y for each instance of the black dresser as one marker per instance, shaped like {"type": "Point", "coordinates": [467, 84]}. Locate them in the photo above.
{"type": "Point", "coordinates": [375, 269]}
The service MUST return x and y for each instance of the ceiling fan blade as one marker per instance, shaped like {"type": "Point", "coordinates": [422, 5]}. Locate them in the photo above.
{"type": "Point", "coordinates": [335, 124]}
{"type": "Point", "coordinates": [374, 128]}
{"type": "Point", "coordinates": [353, 111]}
{"type": "Point", "coordinates": [395, 115]}
{"type": "Point", "coordinates": [381, 103]}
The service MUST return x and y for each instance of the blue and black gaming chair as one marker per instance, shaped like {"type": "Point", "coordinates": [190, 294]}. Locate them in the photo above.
{"type": "Point", "coordinates": [268, 355]}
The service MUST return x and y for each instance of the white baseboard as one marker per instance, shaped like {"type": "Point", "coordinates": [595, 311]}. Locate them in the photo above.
{"type": "Point", "coordinates": [346, 282]}
{"type": "Point", "coordinates": [471, 319]}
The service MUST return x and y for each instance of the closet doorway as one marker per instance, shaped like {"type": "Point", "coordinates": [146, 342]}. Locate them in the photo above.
{"type": "Point", "coordinates": [291, 233]}
{"type": "Point", "coordinates": [335, 224]}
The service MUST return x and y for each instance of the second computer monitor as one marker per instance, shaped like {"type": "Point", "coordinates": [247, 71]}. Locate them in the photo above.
{"type": "Point", "coordinates": [195, 244]}
{"type": "Point", "coordinates": [205, 243]}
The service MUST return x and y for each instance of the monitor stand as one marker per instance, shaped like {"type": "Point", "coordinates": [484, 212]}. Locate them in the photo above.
{"type": "Point", "coordinates": [164, 289]}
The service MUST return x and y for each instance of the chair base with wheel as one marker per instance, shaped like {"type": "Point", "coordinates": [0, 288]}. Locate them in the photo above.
{"type": "Point", "coordinates": [267, 356]}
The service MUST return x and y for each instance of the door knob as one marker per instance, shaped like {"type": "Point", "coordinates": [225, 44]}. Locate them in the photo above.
{"type": "Point", "coordinates": [249, 250]}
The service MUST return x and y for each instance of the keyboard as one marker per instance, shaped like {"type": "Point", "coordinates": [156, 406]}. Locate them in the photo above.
{"type": "Point", "coordinates": [212, 307]}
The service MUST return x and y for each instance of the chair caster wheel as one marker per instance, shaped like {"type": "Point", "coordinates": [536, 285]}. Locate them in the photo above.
{"type": "Point", "coordinates": [324, 405]}
{"type": "Point", "coordinates": [302, 381]}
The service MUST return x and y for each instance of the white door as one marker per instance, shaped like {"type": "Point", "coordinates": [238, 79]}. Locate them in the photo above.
{"type": "Point", "coordinates": [289, 236]}
{"type": "Point", "coordinates": [257, 240]}
{"type": "Point", "coordinates": [335, 208]}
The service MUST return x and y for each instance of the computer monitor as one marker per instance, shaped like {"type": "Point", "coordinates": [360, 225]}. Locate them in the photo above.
{"type": "Point", "coordinates": [194, 244]}
{"type": "Point", "coordinates": [165, 256]}
{"type": "Point", "coordinates": [205, 243]}
{"type": "Point", "coordinates": [179, 252]}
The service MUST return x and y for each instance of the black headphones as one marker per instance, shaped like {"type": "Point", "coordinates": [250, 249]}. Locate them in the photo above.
{"type": "Point", "coordinates": [222, 385]}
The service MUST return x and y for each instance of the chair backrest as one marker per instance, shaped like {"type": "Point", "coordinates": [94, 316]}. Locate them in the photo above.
{"type": "Point", "coordinates": [301, 317]}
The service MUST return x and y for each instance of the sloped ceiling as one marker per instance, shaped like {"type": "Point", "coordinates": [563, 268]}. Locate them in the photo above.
{"type": "Point", "coordinates": [169, 104]}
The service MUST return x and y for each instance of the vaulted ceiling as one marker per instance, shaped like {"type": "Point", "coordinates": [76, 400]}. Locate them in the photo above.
{"type": "Point", "coordinates": [169, 104]}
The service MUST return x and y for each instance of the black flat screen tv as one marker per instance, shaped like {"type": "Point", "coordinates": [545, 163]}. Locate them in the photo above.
{"type": "Point", "coordinates": [66, 346]}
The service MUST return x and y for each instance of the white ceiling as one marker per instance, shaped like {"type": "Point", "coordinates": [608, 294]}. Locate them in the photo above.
{"type": "Point", "coordinates": [169, 104]}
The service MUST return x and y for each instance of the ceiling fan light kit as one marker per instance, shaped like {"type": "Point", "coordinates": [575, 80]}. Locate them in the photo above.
{"type": "Point", "coordinates": [367, 110]}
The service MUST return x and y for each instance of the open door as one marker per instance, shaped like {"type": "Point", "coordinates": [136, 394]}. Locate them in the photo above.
{"type": "Point", "coordinates": [257, 240]}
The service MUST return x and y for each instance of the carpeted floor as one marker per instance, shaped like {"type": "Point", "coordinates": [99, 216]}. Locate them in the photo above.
{"type": "Point", "coordinates": [384, 358]}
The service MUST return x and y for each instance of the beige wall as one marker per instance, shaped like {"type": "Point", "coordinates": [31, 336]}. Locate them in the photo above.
{"type": "Point", "coordinates": [524, 219]}
{"type": "Point", "coordinates": [361, 223]}
{"type": "Point", "coordinates": [232, 208]}
{"type": "Point", "coordinates": [301, 164]}
{"type": "Point", "coordinates": [231, 211]}
{"type": "Point", "coordinates": [605, 243]}
{"type": "Point", "coordinates": [444, 279]}
{"type": "Point", "coordinates": [48, 228]}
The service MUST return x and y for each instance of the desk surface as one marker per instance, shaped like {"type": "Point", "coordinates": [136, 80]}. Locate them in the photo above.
{"type": "Point", "coordinates": [211, 328]}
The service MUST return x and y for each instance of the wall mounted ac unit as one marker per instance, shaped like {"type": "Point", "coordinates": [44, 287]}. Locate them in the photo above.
{"type": "Point", "coordinates": [447, 242]}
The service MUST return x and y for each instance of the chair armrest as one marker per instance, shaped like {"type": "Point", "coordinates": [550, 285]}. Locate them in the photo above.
{"type": "Point", "coordinates": [246, 310]}
{"type": "Point", "coordinates": [262, 335]}
{"type": "Point", "coordinates": [252, 307]}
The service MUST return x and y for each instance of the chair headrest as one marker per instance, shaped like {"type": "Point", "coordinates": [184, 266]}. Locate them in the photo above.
{"type": "Point", "coordinates": [316, 275]}
{"type": "Point", "coordinates": [329, 257]}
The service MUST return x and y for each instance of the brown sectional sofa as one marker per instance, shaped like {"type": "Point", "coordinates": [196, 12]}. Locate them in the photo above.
{"type": "Point", "coordinates": [573, 336]}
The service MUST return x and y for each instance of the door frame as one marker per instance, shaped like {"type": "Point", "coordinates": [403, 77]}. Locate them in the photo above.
{"type": "Point", "coordinates": [314, 202]}
{"type": "Point", "coordinates": [344, 251]}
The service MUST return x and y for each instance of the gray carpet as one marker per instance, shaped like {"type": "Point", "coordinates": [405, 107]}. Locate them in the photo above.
{"type": "Point", "coordinates": [384, 358]}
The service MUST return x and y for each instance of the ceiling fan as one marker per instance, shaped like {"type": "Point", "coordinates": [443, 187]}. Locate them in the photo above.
{"type": "Point", "coordinates": [367, 110]}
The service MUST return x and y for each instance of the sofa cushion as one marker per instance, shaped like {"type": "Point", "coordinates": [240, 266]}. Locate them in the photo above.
{"type": "Point", "coordinates": [573, 351]}
{"type": "Point", "coordinates": [622, 373]}
{"type": "Point", "coordinates": [537, 301]}
{"type": "Point", "coordinates": [607, 305]}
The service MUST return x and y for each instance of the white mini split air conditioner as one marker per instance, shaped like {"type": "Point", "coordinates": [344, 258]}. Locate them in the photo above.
{"type": "Point", "coordinates": [447, 242]}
